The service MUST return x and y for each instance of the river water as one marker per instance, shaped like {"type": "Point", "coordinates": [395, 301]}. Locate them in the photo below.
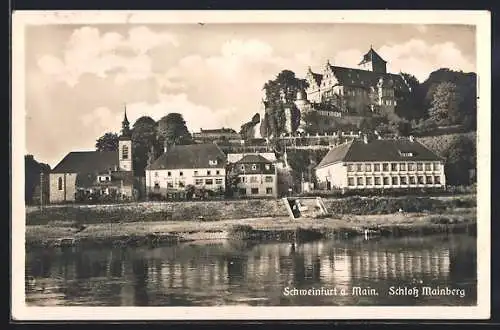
{"type": "Point", "coordinates": [349, 273]}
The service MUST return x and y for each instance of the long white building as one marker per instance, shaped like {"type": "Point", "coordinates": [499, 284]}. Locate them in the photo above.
{"type": "Point", "coordinates": [387, 164]}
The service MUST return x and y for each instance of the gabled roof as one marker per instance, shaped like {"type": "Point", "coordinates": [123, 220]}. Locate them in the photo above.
{"type": "Point", "coordinates": [372, 56]}
{"type": "Point", "coordinates": [218, 130]}
{"type": "Point", "coordinates": [190, 156]}
{"type": "Point", "coordinates": [335, 154]}
{"type": "Point", "coordinates": [87, 162]}
{"type": "Point", "coordinates": [253, 159]}
{"type": "Point", "coordinates": [379, 150]}
{"type": "Point", "coordinates": [235, 157]}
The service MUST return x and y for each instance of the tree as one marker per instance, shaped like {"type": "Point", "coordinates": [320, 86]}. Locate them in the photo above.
{"type": "Point", "coordinates": [445, 104]}
{"type": "Point", "coordinates": [172, 130]}
{"type": "Point", "coordinates": [32, 170]}
{"type": "Point", "coordinates": [410, 101]}
{"type": "Point", "coordinates": [312, 120]}
{"type": "Point", "coordinates": [143, 140]}
{"type": "Point", "coordinates": [107, 142]}
{"type": "Point", "coordinates": [460, 157]}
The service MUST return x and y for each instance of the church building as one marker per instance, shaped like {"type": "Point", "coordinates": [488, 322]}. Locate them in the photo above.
{"type": "Point", "coordinates": [81, 174]}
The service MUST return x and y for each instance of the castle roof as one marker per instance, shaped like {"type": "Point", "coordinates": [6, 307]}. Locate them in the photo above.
{"type": "Point", "coordinates": [365, 78]}
{"type": "Point", "coordinates": [379, 150]}
{"type": "Point", "coordinates": [372, 56]}
{"type": "Point", "coordinates": [190, 156]}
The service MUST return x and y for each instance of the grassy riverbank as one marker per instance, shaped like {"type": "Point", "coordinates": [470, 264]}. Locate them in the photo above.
{"type": "Point", "coordinates": [159, 223]}
{"type": "Point", "coordinates": [281, 228]}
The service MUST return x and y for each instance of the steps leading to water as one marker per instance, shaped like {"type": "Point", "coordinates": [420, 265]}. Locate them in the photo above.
{"type": "Point", "coordinates": [304, 207]}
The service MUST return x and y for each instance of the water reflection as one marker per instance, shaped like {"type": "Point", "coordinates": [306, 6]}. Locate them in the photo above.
{"type": "Point", "coordinates": [228, 273]}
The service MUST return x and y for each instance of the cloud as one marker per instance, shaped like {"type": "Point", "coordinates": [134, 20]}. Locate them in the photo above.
{"type": "Point", "coordinates": [90, 51]}
{"type": "Point", "coordinates": [421, 28]}
{"type": "Point", "coordinates": [102, 119]}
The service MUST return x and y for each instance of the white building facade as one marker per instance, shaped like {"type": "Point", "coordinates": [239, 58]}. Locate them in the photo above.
{"type": "Point", "coordinates": [387, 164]}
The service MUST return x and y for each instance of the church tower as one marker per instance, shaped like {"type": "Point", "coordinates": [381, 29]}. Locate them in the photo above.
{"type": "Point", "coordinates": [373, 62]}
{"type": "Point", "coordinates": [125, 146]}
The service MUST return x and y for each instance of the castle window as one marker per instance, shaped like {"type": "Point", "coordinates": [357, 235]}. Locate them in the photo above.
{"type": "Point", "coordinates": [209, 182]}
{"type": "Point", "coordinates": [436, 166]}
{"type": "Point", "coordinates": [376, 167]}
{"type": "Point", "coordinates": [428, 179]}
{"type": "Point", "coordinates": [60, 184]}
{"type": "Point", "coordinates": [181, 174]}
{"type": "Point", "coordinates": [125, 152]}
{"type": "Point", "coordinates": [413, 180]}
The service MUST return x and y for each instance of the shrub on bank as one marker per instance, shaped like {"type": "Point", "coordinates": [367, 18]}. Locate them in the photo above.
{"type": "Point", "coordinates": [402, 192]}
{"type": "Point", "coordinates": [384, 205]}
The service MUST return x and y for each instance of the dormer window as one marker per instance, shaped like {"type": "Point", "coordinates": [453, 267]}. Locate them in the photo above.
{"type": "Point", "coordinates": [254, 167]}
{"type": "Point", "coordinates": [406, 153]}
{"type": "Point", "coordinates": [212, 162]}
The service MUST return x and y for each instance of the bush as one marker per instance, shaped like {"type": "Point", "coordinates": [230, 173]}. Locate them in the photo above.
{"type": "Point", "coordinates": [382, 205]}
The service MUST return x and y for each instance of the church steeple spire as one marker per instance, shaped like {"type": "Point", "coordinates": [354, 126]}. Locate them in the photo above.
{"type": "Point", "coordinates": [125, 124]}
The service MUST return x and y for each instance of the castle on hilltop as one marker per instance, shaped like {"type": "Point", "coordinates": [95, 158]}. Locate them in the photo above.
{"type": "Point", "coordinates": [344, 96]}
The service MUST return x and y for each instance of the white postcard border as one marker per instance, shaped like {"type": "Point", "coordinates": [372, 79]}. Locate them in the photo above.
{"type": "Point", "coordinates": [482, 21]}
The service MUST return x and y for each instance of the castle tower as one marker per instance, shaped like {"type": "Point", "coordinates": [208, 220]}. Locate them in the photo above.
{"type": "Point", "coordinates": [125, 146]}
{"type": "Point", "coordinates": [373, 62]}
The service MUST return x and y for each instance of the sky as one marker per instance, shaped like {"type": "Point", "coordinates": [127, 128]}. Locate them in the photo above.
{"type": "Point", "coordinates": [79, 77]}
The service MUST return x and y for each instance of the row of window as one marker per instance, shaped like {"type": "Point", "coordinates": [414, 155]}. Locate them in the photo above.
{"type": "Point", "coordinates": [254, 167]}
{"type": "Point", "coordinates": [208, 182]}
{"type": "Point", "coordinates": [209, 172]}
{"type": "Point", "coordinates": [395, 180]}
{"type": "Point", "coordinates": [255, 178]}
{"type": "Point", "coordinates": [254, 191]}
{"type": "Point", "coordinates": [386, 167]}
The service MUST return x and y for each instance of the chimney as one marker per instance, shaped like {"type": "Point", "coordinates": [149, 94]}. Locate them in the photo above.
{"type": "Point", "coordinates": [411, 138]}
